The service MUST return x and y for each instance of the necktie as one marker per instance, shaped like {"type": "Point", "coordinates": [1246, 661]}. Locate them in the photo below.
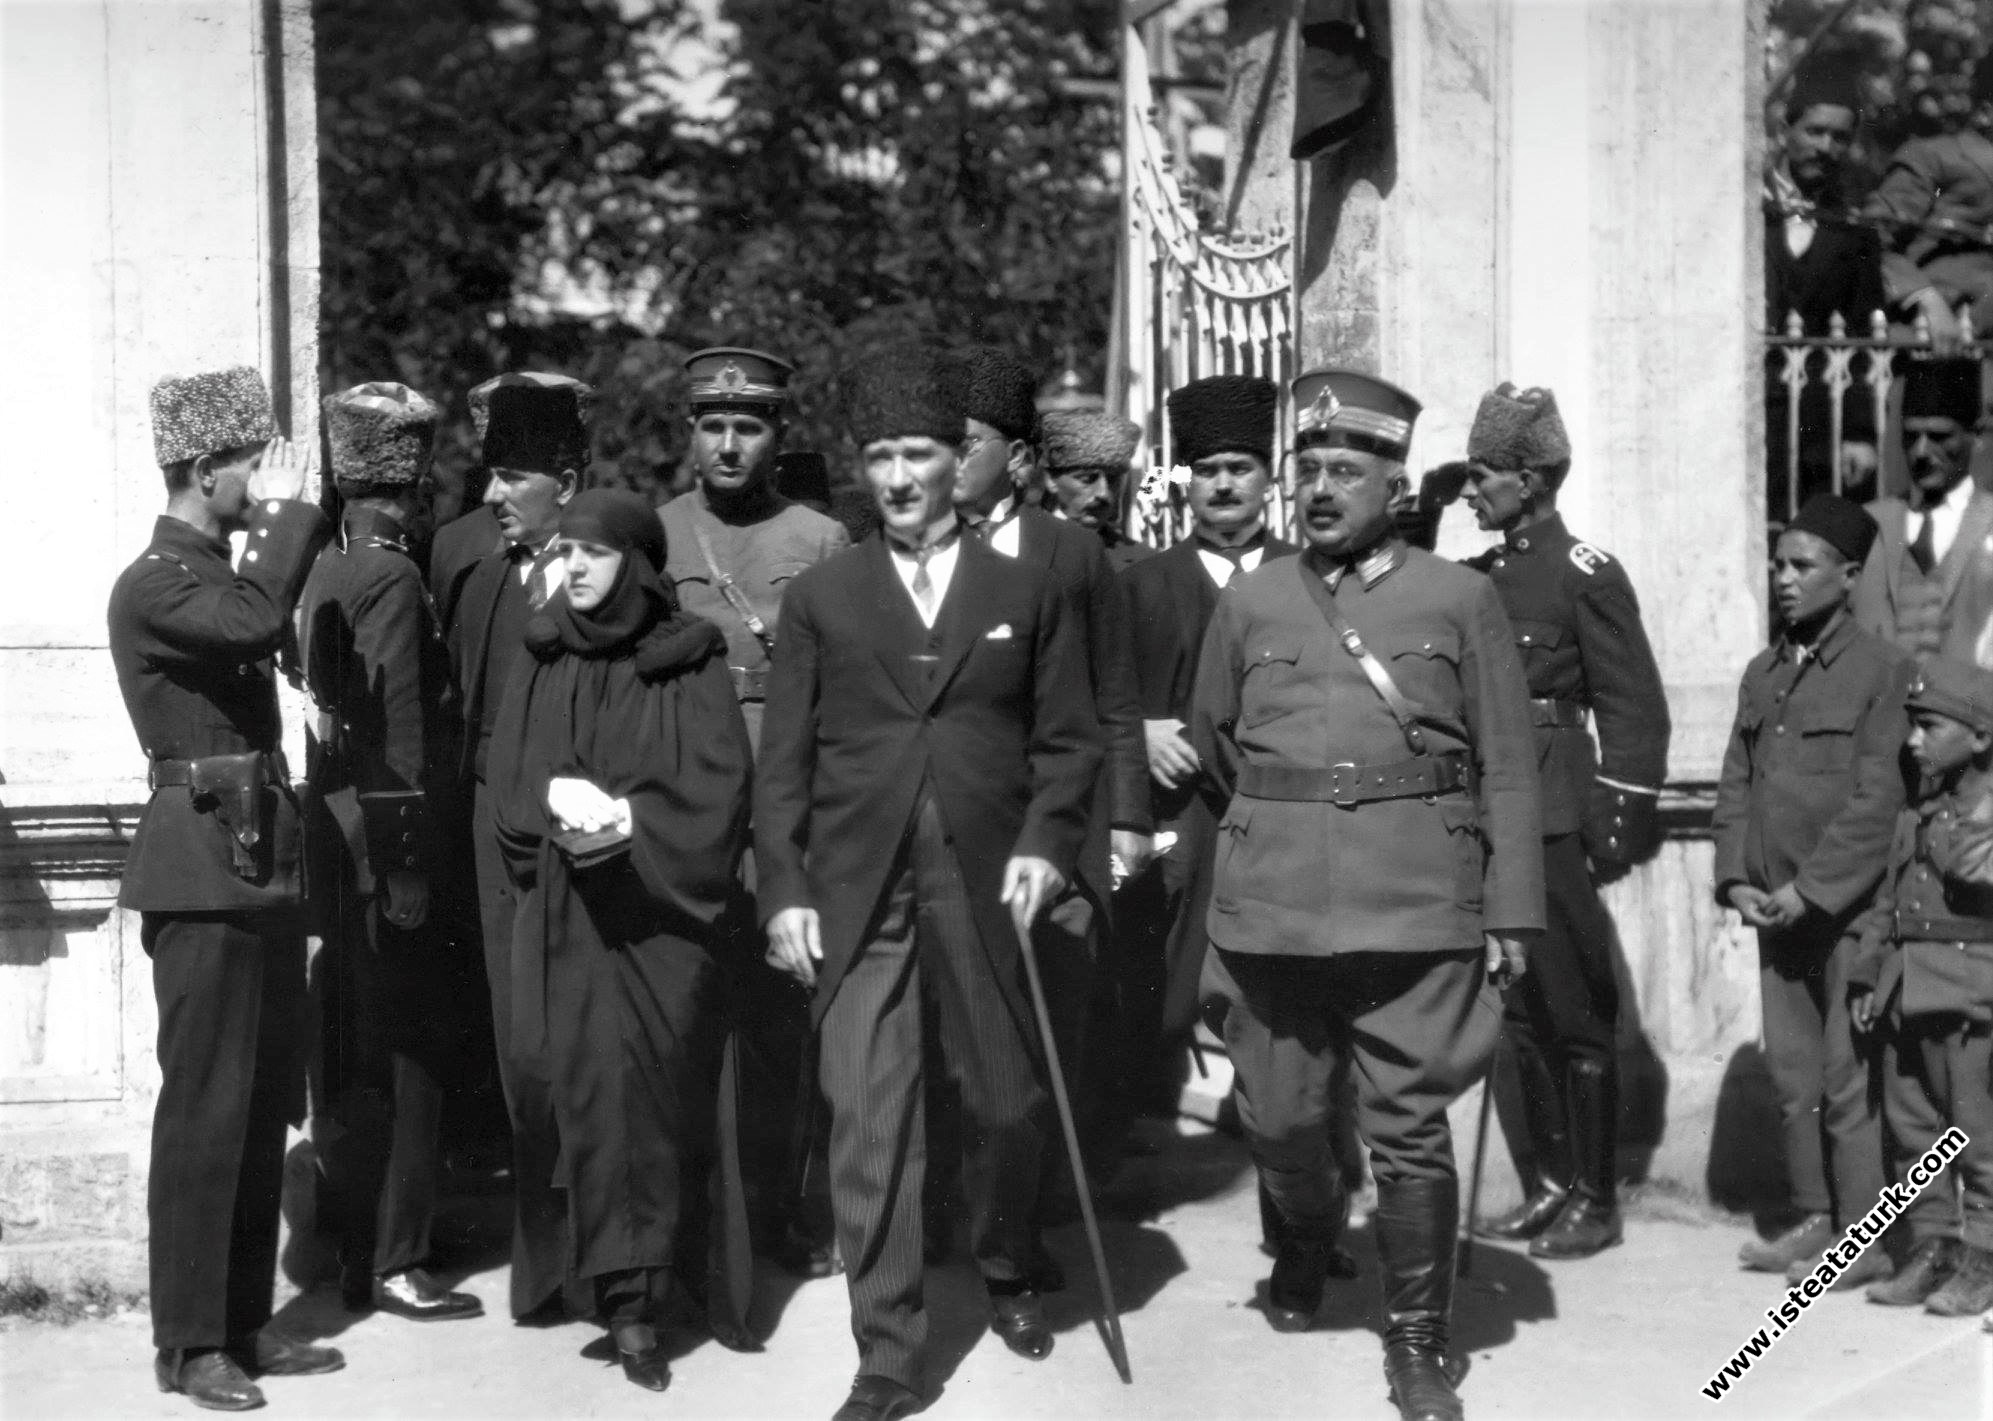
{"type": "Point", "coordinates": [537, 590]}
{"type": "Point", "coordinates": [1924, 551]}
{"type": "Point", "coordinates": [923, 585]}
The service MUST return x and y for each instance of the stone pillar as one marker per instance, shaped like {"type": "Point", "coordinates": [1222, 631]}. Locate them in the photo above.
{"type": "Point", "coordinates": [163, 219]}
{"type": "Point", "coordinates": [1562, 194]}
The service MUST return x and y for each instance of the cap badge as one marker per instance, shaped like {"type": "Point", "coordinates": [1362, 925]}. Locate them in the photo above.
{"type": "Point", "coordinates": [732, 378]}
{"type": "Point", "coordinates": [1323, 411]}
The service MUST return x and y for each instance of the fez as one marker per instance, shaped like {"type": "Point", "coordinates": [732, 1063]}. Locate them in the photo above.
{"type": "Point", "coordinates": [381, 435]}
{"type": "Point", "coordinates": [1349, 409]}
{"type": "Point", "coordinates": [733, 376]}
{"type": "Point", "coordinates": [1089, 439]}
{"type": "Point", "coordinates": [1841, 523]}
{"type": "Point", "coordinates": [1955, 689]}
{"type": "Point", "coordinates": [537, 428]}
{"type": "Point", "coordinates": [1943, 388]}
{"type": "Point", "coordinates": [615, 518]}
{"type": "Point", "coordinates": [480, 397]}
{"type": "Point", "coordinates": [209, 413]}
{"type": "Point", "coordinates": [998, 389]}
{"type": "Point", "coordinates": [1518, 429]}
{"type": "Point", "coordinates": [904, 393]}
{"type": "Point", "coordinates": [1825, 83]}
{"type": "Point", "coordinates": [1222, 414]}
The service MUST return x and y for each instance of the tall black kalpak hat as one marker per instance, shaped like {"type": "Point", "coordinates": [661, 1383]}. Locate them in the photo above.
{"type": "Point", "coordinates": [1841, 523]}
{"type": "Point", "coordinates": [998, 389]}
{"type": "Point", "coordinates": [210, 413]}
{"type": "Point", "coordinates": [1351, 410]}
{"type": "Point", "coordinates": [733, 376]}
{"type": "Point", "coordinates": [534, 422]}
{"type": "Point", "coordinates": [904, 393]}
{"type": "Point", "coordinates": [1222, 414]}
{"type": "Point", "coordinates": [1943, 388]}
{"type": "Point", "coordinates": [382, 435]}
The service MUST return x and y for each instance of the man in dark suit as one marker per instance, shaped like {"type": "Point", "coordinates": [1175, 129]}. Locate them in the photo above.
{"type": "Point", "coordinates": [999, 401]}
{"type": "Point", "coordinates": [1819, 263]}
{"type": "Point", "coordinates": [1223, 429]}
{"type": "Point", "coordinates": [535, 442]}
{"type": "Point", "coordinates": [927, 763]}
{"type": "Point", "coordinates": [1085, 454]}
{"type": "Point", "coordinates": [378, 671]}
{"type": "Point", "coordinates": [213, 875]}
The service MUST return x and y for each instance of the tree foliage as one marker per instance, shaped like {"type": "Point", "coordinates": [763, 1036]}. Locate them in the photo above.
{"type": "Point", "coordinates": [599, 188]}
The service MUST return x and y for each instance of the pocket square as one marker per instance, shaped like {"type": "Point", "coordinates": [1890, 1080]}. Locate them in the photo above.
{"type": "Point", "coordinates": [999, 633]}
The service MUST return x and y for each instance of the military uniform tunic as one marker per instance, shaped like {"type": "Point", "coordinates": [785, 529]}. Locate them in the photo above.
{"type": "Point", "coordinates": [761, 554]}
{"type": "Point", "coordinates": [192, 640]}
{"type": "Point", "coordinates": [379, 672]}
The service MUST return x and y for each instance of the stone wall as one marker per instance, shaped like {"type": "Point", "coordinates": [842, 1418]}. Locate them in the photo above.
{"type": "Point", "coordinates": [1562, 194]}
{"type": "Point", "coordinates": [163, 217]}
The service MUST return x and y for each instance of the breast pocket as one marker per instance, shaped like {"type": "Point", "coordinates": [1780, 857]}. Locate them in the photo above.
{"type": "Point", "coordinates": [1538, 642]}
{"type": "Point", "coordinates": [1824, 739]}
{"type": "Point", "coordinates": [1270, 674]}
{"type": "Point", "coordinates": [781, 573]}
{"type": "Point", "coordinates": [1428, 670]}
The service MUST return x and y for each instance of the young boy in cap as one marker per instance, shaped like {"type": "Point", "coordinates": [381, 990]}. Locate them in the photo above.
{"type": "Point", "coordinates": [1923, 985]}
{"type": "Point", "coordinates": [1804, 811]}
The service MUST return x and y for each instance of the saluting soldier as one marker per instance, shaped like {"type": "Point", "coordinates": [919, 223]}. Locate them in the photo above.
{"type": "Point", "coordinates": [733, 544]}
{"type": "Point", "coordinates": [1379, 863]}
{"type": "Point", "coordinates": [1585, 652]}
{"type": "Point", "coordinates": [377, 668]}
{"type": "Point", "coordinates": [213, 875]}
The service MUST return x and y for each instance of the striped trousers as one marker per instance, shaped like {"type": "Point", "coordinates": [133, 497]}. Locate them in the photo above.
{"type": "Point", "coordinates": [924, 970]}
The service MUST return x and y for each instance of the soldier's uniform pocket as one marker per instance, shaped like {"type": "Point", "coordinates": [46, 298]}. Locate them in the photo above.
{"type": "Point", "coordinates": [1428, 670]}
{"type": "Point", "coordinates": [1469, 847]}
{"type": "Point", "coordinates": [1824, 739]}
{"type": "Point", "coordinates": [1538, 642]}
{"type": "Point", "coordinates": [1270, 677]}
{"type": "Point", "coordinates": [1232, 831]}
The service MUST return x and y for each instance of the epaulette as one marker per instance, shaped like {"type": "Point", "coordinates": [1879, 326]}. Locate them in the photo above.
{"type": "Point", "coordinates": [161, 555]}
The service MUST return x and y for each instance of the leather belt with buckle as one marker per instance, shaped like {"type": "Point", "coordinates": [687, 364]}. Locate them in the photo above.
{"type": "Point", "coordinates": [1556, 715]}
{"type": "Point", "coordinates": [1348, 784]}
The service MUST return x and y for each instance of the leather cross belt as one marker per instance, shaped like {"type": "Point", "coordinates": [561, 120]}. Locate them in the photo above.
{"type": "Point", "coordinates": [1348, 784]}
{"type": "Point", "coordinates": [1556, 714]}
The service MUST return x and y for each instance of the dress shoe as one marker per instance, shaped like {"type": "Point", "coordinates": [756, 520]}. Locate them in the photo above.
{"type": "Point", "coordinates": [1421, 1383]}
{"type": "Point", "coordinates": [271, 1353]}
{"type": "Point", "coordinates": [803, 1257]}
{"type": "Point", "coordinates": [1586, 1226]}
{"type": "Point", "coordinates": [414, 1294]}
{"type": "Point", "coordinates": [1042, 1270]}
{"type": "Point", "coordinates": [1929, 1266]}
{"type": "Point", "coordinates": [642, 1355]}
{"type": "Point", "coordinates": [1527, 1219]}
{"type": "Point", "coordinates": [1019, 1319]}
{"type": "Point", "coordinates": [208, 1379]}
{"type": "Point", "coordinates": [1802, 1240]}
{"type": "Point", "coordinates": [1872, 1265]}
{"type": "Point", "coordinates": [1969, 1290]}
{"type": "Point", "coordinates": [876, 1399]}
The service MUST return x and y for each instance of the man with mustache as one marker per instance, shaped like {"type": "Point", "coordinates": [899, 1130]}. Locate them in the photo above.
{"type": "Point", "coordinates": [1928, 586]}
{"type": "Point", "coordinates": [1085, 457]}
{"type": "Point", "coordinates": [733, 544]}
{"type": "Point", "coordinates": [1379, 869]}
{"type": "Point", "coordinates": [1804, 813]}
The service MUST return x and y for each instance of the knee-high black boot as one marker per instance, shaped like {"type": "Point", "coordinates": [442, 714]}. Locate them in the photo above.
{"type": "Point", "coordinates": [1416, 1221]}
{"type": "Point", "coordinates": [1590, 1220]}
{"type": "Point", "coordinates": [1542, 1116]}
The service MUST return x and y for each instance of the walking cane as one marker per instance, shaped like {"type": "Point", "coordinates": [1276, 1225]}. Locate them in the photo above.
{"type": "Point", "coordinates": [1110, 1319]}
{"type": "Point", "coordinates": [1467, 1249]}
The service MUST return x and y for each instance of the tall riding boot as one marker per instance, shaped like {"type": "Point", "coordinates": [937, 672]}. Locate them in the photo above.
{"type": "Point", "coordinates": [1590, 1220]}
{"type": "Point", "coordinates": [1543, 1120]}
{"type": "Point", "coordinates": [1415, 1222]}
{"type": "Point", "coordinates": [1307, 1254]}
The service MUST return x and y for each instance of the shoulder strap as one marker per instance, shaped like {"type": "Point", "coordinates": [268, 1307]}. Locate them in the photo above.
{"type": "Point", "coordinates": [1374, 670]}
{"type": "Point", "coordinates": [736, 599]}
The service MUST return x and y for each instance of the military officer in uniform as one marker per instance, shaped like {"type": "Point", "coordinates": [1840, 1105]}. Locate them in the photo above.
{"type": "Point", "coordinates": [213, 875]}
{"type": "Point", "coordinates": [377, 668]}
{"type": "Point", "coordinates": [1379, 864]}
{"type": "Point", "coordinates": [732, 543]}
{"type": "Point", "coordinates": [1584, 650]}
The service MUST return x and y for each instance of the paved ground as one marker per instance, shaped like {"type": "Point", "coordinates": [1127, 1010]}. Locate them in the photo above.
{"type": "Point", "coordinates": [1634, 1334]}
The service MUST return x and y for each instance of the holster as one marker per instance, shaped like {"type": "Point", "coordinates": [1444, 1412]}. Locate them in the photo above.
{"type": "Point", "coordinates": [233, 789]}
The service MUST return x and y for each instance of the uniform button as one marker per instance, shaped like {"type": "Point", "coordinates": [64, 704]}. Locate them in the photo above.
{"type": "Point", "coordinates": [1780, 730]}
{"type": "Point", "coordinates": [250, 555]}
{"type": "Point", "coordinates": [1522, 545]}
{"type": "Point", "coordinates": [1501, 562]}
{"type": "Point", "coordinates": [272, 506]}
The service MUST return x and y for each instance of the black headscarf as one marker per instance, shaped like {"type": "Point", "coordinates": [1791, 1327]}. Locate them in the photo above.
{"type": "Point", "coordinates": [635, 603]}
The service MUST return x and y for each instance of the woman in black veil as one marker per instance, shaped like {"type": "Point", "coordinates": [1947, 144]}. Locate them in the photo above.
{"type": "Point", "coordinates": [621, 768]}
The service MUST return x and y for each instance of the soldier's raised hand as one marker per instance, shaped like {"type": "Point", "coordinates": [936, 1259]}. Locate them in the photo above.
{"type": "Point", "coordinates": [285, 469]}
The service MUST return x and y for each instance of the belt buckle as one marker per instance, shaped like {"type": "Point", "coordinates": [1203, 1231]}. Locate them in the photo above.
{"type": "Point", "coordinates": [1343, 787]}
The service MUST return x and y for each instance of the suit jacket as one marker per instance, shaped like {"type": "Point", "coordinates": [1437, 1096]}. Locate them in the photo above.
{"type": "Point", "coordinates": [455, 550]}
{"type": "Point", "coordinates": [1276, 688]}
{"type": "Point", "coordinates": [1946, 178]}
{"type": "Point", "coordinates": [1840, 272]}
{"type": "Point", "coordinates": [192, 641]}
{"type": "Point", "coordinates": [1959, 625]}
{"type": "Point", "coordinates": [999, 724]}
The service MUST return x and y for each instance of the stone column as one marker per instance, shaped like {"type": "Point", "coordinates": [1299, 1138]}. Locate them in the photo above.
{"type": "Point", "coordinates": [163, 219]}
{"type": "Point", "coordinates": [1562, 194]}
